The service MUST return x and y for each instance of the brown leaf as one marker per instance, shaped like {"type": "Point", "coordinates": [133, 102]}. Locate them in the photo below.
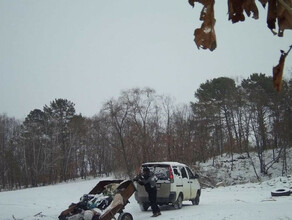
{"type": "Point", "coordinates": [205, 36]}
{"type": "Point", "coordinates": [251, 8]}
{"type": "Point", "coordinates": [272, 14]}
{"type": "Point", "coordinates": [284, 17]}
{"type": "Point", "coordinates": [264, 2]}
{"type": "Point", "coordinates": [192, 2]}
{"type": "Point", "coordinates": [203, 2]}
{"type": "Point", "coordinates": [237, 7]}
{"type": "Point", "coordinates": [235, 11]}
{"type": "Point", "coordinates": [278, 72]}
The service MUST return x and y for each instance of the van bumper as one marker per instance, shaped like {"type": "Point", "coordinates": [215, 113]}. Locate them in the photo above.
{"type": "Point", "coordinates": [166, 200]}
{"type": "Point", "coordinates": [160, 200]}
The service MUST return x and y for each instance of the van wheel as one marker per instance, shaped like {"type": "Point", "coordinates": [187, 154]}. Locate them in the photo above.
{"type": "Point", "coordinates": [196, 201]}
{"type": "Point", "coordinates": [144, 206]}
{"type": "Point", "coordinates": [178, 202]}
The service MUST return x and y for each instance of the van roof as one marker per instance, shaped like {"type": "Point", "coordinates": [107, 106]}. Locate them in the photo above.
{"type": "Point", "coordinates": [165, 163]}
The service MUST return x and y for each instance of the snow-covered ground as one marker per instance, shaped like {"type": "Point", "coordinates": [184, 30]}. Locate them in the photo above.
{"type": "Point", "coordinates": [241, 201]}
{"type": "Point", "coordinates": [249, 201]}
{"type": "Point", "coordinates": [219, 170]}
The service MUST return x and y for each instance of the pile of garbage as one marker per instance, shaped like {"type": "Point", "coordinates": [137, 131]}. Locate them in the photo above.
{"type": "Point", "coordinates": [91, 206]}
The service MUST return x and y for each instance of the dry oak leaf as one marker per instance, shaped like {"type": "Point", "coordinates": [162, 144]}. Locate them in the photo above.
{"type": "Point", "coordinates": [284, 15]}
{"type": "Point", "coordinates": [272, 15]}
{"type": "Point", "coordinates": [237, 7]}
{"type": "Point", "coordinates": [278, 72]}
{"type": "Point", "coordinates": [205, 36]}
{"type": "Point", "coordinates": [264, 2]}
{"type": "Point", "coordinates": [280, 11]}
{"type": "Point", "coordinates": [251, 8]}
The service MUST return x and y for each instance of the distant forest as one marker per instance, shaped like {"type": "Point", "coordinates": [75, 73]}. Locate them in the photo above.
{"type": "Point", "coordinates": [55, 144]}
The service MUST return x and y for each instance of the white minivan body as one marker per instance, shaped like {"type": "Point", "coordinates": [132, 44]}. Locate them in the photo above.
{"type": "Point", "coordinates": [175, 183]}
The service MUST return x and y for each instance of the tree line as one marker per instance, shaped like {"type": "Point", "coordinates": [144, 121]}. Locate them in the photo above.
{"type": "Point", "coordinates": [56, 144]}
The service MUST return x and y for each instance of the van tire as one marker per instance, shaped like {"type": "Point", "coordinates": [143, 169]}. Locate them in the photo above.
{"type": "Point", "coordinates": [196, 201]}
{"type": "Point", "coordinates": [178, 202]}
{"type": "Point", "coordinates": [144, 206]}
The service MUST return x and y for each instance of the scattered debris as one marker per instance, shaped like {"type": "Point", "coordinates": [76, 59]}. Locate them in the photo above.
{"type": "Point", "coordinates": [271, 199]}
{"type": "Point", "coordinates": [281, 192]}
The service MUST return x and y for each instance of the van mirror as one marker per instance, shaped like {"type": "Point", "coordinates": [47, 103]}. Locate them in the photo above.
{"type": "Point", "coordinates": [196, 176]}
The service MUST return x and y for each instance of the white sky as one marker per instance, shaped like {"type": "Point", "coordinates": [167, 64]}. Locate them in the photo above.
{"type": "Point", "coordinates": [89, 51]}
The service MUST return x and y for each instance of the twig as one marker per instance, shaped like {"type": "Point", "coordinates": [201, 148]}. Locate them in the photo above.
{"type": "Point", "coordinates": [289, 50]}
{"type": "Point", "coordinates": [238, 200]}
{"type": "Point", "coordinates": [269, 200]}
{"type": "Point", "coordinates": [13, 217]}
{"type": "Point", "coordinates": [37, 214]}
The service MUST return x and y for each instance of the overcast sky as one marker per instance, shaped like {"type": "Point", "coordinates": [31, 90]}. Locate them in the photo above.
{"type": "Point", "coordinates": [89, 51]}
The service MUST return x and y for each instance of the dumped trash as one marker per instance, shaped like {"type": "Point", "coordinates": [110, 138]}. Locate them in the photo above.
{"type": "Point", "coordinates": [281, 192]}
{"type": "Point", "coordinates": [103, 202]}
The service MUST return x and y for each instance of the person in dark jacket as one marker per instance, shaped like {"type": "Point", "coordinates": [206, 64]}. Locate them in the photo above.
{"type": "Point", "coordinates": [149, 181]}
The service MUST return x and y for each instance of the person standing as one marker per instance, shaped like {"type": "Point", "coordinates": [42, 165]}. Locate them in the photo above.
{"type": "Point", "coordinates": [148, 179]}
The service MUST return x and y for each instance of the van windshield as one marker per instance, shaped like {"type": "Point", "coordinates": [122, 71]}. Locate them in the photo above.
{"type": "Point", "coordinates": [161, 171]}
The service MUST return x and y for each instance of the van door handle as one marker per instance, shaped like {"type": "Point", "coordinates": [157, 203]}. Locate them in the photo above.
{"type": "Point", "coordinates": [190, 182]}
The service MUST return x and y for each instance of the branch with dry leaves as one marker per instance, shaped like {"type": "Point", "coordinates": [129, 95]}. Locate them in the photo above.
{"type": "Point", "coordinates": [278, 70]}
{"type": "Point", "coordinates": [279, 11]}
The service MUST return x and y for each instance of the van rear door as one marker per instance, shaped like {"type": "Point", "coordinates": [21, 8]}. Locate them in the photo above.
{"type": "Point", "coordinates": [164, 180]}
{"type": "Point", "coordinates": [161, 171]}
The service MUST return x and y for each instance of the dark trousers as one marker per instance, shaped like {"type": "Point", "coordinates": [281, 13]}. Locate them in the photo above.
{"type": "Point", "coordinates": [152, 196]}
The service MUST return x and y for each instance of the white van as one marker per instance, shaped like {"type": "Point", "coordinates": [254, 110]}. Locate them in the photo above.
{"type": "Point", "coordinates": [176, 183]}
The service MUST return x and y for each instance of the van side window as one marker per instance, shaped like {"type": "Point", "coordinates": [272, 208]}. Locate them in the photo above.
{"type": "Point", "coordinates": [191, 175]}
{"type": "Point", "coordinates": [176, 172]}
{"type": "Point", "coordinates": [183, 172]}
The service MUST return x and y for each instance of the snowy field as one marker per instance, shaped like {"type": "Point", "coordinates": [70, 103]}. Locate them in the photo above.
{"type": "Point", "coordinates": [249, 201]}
